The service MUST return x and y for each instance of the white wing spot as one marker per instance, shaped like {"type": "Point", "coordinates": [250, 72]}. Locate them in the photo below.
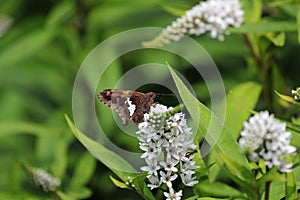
{"type": "Point", "coordinates": [131, 107]}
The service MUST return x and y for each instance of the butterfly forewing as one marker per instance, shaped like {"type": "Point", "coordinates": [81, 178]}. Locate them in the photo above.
{"type": "Point", "coordinates": [128, 103]}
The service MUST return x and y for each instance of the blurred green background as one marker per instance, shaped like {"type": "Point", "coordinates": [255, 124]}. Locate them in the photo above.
{"type": "Point", "coordinates": [42, 45]}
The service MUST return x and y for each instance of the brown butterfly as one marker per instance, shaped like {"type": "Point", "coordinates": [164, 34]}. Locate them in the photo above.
{"type": "Point", "coordinates": [128, 103]}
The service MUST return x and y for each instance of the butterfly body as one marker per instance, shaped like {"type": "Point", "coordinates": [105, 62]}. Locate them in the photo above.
{"type": "Point", "coordinates": [130, 105]}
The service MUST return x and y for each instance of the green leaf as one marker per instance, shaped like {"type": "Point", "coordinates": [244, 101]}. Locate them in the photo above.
{"type": "Point", "coordinates": [271, 175]}
{"type": "Point", "coordinates": [209, 124]}
{"type": "Point", "coordinates": [239, 103]}
{"type": "Point", "coordinates": [237, 169]}
{"type": "Point", "coordinates": [60, 13]}
{"type": "Point", "coordinates": [290, 185]}
{"type": "Point", "coordinates": [172, 9]}
{"type": "Point", "coordinates": [84, 170]}
{"type": "Point", "coordinates": [277, 190]}
{"type": "Point", "coordinates": [138, 183]}
{"type": "Point", "coordinates": [298, 23]}
{"type": "Point", "coordinates": [16, 127]}
{"type": "Point", "coordinates": [287, 98]}
{"type": "Point", "coordinates": [79, 193]}
{"type": "Point", "coordinates": [292, 127]}
{"type": "Point", "coordinates": [142, 188]}
{"type": "Point", "coordinates": [192, 198]}
{"type": "Point", "coordinates": [276, 39]}
{"type": "Point", "coordinates": [32, 42]}
{"type": "Point", "coordinates": [218, 189]}
{"type": "Point", "coordinates": [60, 160]}
{"type": "Point", "coordinates": [253, 10]}
{"type": "Point", "coordinates": [210, 198]}
{"type": "Point", "coordinates": [266, 25]}
{"type": "Point", "coordinates": [107, 157]}
{"type": "Point", "coordinates": [64, 196]}
{"type": "Point", "coordinates": [118, 183]}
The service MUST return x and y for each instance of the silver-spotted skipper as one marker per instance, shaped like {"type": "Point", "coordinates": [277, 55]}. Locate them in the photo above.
{"type": "Point", "coordinates": [128, 103]}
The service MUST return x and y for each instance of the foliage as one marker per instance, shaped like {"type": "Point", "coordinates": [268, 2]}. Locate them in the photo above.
{"type": "Point", "coordinates": [42, 46]}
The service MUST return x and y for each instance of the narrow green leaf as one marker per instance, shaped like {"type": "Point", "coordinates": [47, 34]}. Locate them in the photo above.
{"type": "Point", "coordinates": [32, 42]}
{"type": "Point", "coordinates": [292, 127]}
{"type": "Point", "coordinates": [253, 10]}
{"type": "Point", "coordinates": [286, 98]}
{"type": "Point", "coordinates": [64, 196]}
{"type": "Point", "coordinates": [60, 13]}
{"type": "Point", "coordinates": [142, 188]}
{"type": "Point", "coordinates": [171, 9]}
{"type": "Point", "coordinates": [83, 171]}
{"type": "Point", "coordinates": [17, 127]}
{"type": "Point", "coordinates": [266, 25]}
{"type": "Point", "coordinates": [237, 169]}
{"type": "Point", "coordinates": [118, 183]}
{"type": "Point", "coordinates": [271, 175]}
{"type": "Point", "coordinates": [218, 189]}
{"type": "Point", "coordinates": [247, 187]}
{"type": "Point", "coordinates": [108, 158]}
{"type": "Point", "coordinates": [210, 198]}
{"type": "Point", "coordinates": [80, 193]}
{"type": "Point", "coordinates": [277, 190]}
{"type": "Point", "coordinates": [298, 24]}
{"type": "Point", "coordinates": [276, 39]}
{"type": "Point", "coordinates": [290, 185]}
{"type": "Point", "coordinates": [239, 103]}
{"type": "Point", "coordinates": [192, 198]}
{"type": "Point", "coordinates": [209, 124]}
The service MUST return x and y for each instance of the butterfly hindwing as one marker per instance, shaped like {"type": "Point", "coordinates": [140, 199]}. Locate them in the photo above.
{"type": "Point", "coordinates": [129, 104]}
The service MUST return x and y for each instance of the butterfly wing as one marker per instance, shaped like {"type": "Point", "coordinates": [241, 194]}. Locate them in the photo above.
{"type": "Point", "coordinates": [129, 104]}
{"type": "Point", "coordinates": [143, 103]}
{"type": "Point", "coordinates": [118, 101]}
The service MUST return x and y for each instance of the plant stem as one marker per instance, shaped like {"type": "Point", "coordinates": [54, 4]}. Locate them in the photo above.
{"type": "Point", "coordinates": [267, 190]}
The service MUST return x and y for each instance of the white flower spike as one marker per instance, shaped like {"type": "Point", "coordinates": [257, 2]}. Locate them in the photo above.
{"type": "Point", "coordinates": [167, 144]}
{"type": "Point", "coordinates": [264, 137]}
{"type": "Point", "coordinates": [212, 16]}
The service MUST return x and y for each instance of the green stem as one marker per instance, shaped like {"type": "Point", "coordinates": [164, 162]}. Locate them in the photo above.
{"type": "Point", "coordinates": [267, 190]}
{"type": "Point", "coordinates": [263, 61]}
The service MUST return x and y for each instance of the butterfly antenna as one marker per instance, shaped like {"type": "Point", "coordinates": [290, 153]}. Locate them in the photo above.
{"type": "Point", "coordinates": [162, 94]}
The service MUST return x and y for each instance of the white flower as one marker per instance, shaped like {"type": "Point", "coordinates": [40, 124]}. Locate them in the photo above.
{"type": "Point", "coordinates": [188, 180]}
{"type": "Point", "coordinates": [168, 178]}
{"type": "Point", "coordinates": [173, 195]}
{"type": "Point", "coordinates": [188, 166]}
{"type": "Point", "coordinates": [213, 16]}
{"type": "Point", "coordinates": [151, 150]}
{"type": "Point", "coordinates": [169, 164]}
{"type": "Point", "coordinates": [155, 182]}
{"type": "Point", "coordinates": [152, 166]}
{"type": "Point", "coordinates": [265, 137]}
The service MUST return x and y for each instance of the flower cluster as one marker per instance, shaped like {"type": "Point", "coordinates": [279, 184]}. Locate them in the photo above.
{"type": "Point", "coordinates": [213, 16]}
{"type": "Point", "coordinates": [166, 141]}
{"type": "Point", "coordinates": [42, 178]}
{"type": "Point", "coordinates": [296, 94]}
{"type": "Point", "coordinates": [266, 138]}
